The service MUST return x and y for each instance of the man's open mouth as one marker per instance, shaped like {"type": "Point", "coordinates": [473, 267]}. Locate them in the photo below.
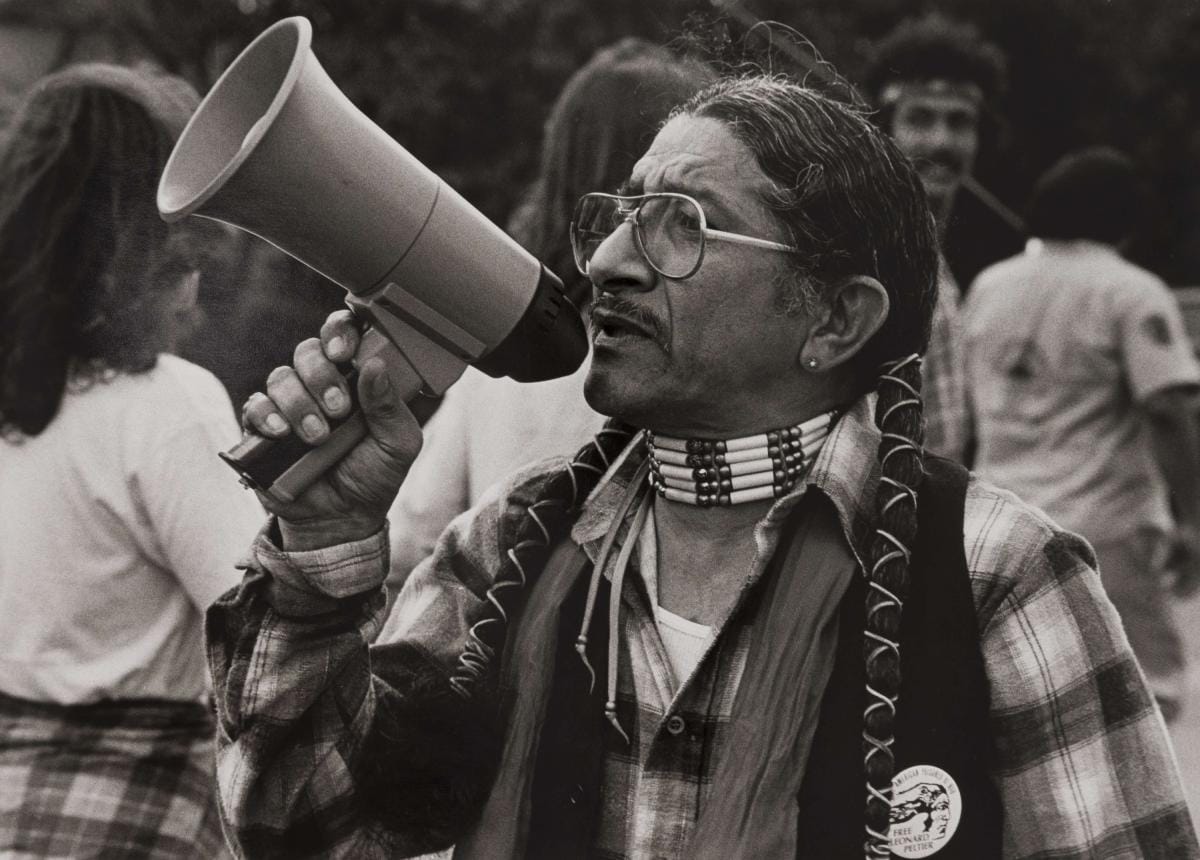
{"type": "Point", "coordinates": [612, 326]}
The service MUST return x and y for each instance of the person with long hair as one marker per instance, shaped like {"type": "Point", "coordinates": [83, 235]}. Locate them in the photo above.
{"type": "Point", "coordinates": [118, 524]}
{"type": "Point", "coordinates": [752, 619]}
{"type": "Point", "coordinates": [487, 428]}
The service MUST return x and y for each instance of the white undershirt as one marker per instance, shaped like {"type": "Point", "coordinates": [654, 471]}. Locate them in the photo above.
{"type": "Point", "coordinates": [684, 641]}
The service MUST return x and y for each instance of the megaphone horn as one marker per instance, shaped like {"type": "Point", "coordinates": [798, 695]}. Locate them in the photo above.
{"type": "Point", "coordinates": [278, 150]}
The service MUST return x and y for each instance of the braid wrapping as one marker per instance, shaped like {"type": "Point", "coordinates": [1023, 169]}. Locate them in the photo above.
{"type": "Point", "coordinates": [898, 414]}
{"type": "Point", "coordinates": [545, 523]}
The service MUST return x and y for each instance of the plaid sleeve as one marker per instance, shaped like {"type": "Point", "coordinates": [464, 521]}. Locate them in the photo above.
{"type": "Point", "coordinates": [943, 386]}
{"type": "Point", "coordinates": [323, 746]}
{"type": "Point", "coordinates": [334, 740]}
{"type": "Point", "coordinates": [1082, 760]}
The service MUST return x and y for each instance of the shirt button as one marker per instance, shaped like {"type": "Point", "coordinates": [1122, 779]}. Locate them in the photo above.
{"type": "Point", "coordinates": [676, 725]}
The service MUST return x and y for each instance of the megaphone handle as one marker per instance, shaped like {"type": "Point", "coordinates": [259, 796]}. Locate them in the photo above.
{"type": "Point", "coordinates": [285, 468]}
{"type": "Point", "coordinates": [259, 460]}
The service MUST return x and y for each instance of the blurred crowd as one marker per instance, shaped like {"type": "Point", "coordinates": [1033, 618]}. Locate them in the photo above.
{"type": "Point", "coordinates": [1062, 373]}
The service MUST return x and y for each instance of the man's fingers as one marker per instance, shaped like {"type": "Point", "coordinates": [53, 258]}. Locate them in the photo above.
{"type": "Point", "coordinates": [339, 336]}
{"type": "Point", "coordinates": [321, 377]}
{"type": "Point", "coordinates": [260, 416]}
{"type": "Point", "coordinates": [389, 419]}
{"type": "Point", "coordinates": [296, 405]}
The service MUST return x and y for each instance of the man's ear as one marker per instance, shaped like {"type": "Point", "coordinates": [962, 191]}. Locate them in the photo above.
{"type": "Point", "coordinates": [851, 312]}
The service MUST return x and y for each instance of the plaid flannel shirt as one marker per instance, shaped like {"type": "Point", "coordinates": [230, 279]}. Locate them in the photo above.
{"type": "Point", "coordinates": [1082, 761]}
{"type": "Point", "coordinates": [943, 375]}
{"type": "Point", "coordinates": [117, 778]}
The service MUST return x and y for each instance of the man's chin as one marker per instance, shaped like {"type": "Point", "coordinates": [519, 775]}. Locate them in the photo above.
{"type": "Point", "coordinates": [599, 390]}
{"type": "Point", "coordinates": [941, 187]}
{"type": "Point", "coordinates": [610, 393]}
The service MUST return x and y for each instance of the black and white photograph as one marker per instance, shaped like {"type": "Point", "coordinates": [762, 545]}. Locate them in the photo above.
{"type": "Point", "coordinates": [553, 429]}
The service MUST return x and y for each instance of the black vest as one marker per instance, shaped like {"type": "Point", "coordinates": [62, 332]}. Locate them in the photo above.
{"type": "Point", "coordinates": [942, 716]}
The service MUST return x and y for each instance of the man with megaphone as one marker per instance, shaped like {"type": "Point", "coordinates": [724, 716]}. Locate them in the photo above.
{"type": "Point", "coordinates": [752, 619]}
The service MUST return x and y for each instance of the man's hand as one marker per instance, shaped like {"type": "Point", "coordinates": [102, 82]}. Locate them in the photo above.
{"type": "Point", "coordinates": [351, 500]}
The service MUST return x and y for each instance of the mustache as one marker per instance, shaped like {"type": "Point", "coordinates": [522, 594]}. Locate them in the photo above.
{"type": "Point", "coordinates": [942, 158]}
{"type": "Point", "coordinates": [631, 311]}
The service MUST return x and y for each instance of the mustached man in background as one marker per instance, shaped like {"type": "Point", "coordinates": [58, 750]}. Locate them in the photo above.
{"type": "Point", "coordinates": [933, 81]}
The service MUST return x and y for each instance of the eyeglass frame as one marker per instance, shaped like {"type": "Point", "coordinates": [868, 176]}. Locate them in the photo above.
{"type": "Point", "coordinates": [706, 232]}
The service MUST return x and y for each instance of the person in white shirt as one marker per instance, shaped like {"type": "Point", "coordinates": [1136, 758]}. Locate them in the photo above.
{"type": "Point", "coordinates": [1083, 384]}
{"type": "Point", "coordinates": [118, 523]}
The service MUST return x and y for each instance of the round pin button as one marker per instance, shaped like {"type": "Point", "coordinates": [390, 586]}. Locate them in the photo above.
{"type": "Point", "coordinates": [676, 725]}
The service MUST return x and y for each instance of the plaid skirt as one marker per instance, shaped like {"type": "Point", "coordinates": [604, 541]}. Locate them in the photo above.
{"type": "Point", "coordinates": [110, 780]}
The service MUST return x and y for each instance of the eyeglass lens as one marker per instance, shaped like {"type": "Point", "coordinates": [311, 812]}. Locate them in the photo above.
{"type": "Point", "coordinates": [668, 230]}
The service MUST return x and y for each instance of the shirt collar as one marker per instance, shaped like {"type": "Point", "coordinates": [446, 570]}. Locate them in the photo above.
{"type": "Point", "coordinates": [846, 471]}
{"type": "Point", "coordinates": [1049, 246]}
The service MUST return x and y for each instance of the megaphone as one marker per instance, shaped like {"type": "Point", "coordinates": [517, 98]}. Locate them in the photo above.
{"type": "Point", "coordinates": [277, 149]}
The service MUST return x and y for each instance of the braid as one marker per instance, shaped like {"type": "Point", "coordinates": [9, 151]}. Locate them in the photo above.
{"type": "Point", "coordinates": [545, 523]}
{"type": "Point", "coordinates": [899, 416]}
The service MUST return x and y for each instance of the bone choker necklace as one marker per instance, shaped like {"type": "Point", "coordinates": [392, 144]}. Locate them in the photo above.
{"type": "Point", "coordinates": [719, 473]}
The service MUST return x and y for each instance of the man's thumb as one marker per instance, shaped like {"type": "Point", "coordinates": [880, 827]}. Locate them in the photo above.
{"type": "Point", "coordinates": [388, 418]}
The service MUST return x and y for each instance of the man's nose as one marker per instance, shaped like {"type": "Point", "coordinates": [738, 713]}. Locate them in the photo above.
{"type": "Point", "coordinates": [618, 264]}
{"type": "Point", "coordinates": [943, 136]}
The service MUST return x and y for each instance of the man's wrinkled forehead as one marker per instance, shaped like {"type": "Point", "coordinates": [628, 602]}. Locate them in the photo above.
{"type": "Point", "coordinates": [699, 156]}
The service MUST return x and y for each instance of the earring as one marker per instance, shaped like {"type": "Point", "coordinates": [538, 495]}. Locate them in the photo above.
{"type": "Point", "coordinates": [812, 364]}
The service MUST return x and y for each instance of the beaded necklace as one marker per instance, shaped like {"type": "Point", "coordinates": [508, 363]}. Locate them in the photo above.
{"type": "Point", "coordinates": [718, 473]}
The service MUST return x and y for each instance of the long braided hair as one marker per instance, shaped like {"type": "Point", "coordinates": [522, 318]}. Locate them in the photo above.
{"type": "Point", "coordinates": [854, 206]}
